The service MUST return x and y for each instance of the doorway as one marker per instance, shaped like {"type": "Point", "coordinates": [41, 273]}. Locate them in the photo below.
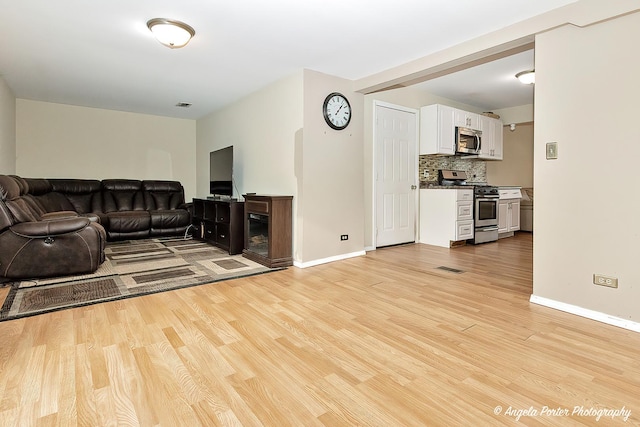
{"type": "Point", "coordinates": [395, 174]}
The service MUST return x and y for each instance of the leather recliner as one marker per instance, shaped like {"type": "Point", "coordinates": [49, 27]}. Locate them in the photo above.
{"type": "Point", "coordinates": [37, 243]}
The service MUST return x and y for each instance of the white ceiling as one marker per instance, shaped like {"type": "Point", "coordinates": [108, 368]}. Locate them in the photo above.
{"type": "Point", "coordinates": [489, 86]}
{"type": "Point", "coordinates": [99, 53]}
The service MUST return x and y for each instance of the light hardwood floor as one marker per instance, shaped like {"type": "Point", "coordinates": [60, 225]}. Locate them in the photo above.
{"type": "Point", "coordinates": [385, 339]}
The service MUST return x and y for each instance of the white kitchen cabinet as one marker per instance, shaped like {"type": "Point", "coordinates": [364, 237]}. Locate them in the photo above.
{"type": "Point", "coordinates": [467, 119]}
{"type": "Point", "coordinates": [491, 148]}
{"type": "Point", "coordinates": [437, 131]}
{"type": "Point", "coordinates": [497, 140]}
{"type": "Point", "coordinates": [508, 212]}
{"type": "Point", "coordinates": [446, 216]}
{"type": "Point", "coordinates": [438, 125]}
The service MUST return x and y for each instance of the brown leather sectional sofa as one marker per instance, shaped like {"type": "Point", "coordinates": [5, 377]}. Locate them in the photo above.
{"type": "Point", "coordinates": [53, 227]}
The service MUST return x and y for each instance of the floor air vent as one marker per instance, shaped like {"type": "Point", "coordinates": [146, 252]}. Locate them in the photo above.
{"type": "Point", "coordinates": [452, 270]}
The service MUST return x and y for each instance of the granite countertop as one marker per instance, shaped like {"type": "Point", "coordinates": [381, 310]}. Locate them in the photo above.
{"type": "Point", "coordinates": [436, 186]}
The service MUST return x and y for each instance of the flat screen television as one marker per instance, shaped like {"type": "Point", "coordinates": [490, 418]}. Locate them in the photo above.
{"type": "Point", "coordinates": [221, 172]}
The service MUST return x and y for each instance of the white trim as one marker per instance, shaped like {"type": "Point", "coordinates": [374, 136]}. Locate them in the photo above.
{"type": "Point", "coordinates": [377, 103]}
{"type": "Point", "coordinates": [584, 312]}
{"type": "Point", "coordinates": [326, 260]}
{"type": "Point", "coordinates": [374, 219]}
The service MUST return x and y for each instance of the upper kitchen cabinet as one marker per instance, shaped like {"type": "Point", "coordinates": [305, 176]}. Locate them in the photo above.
{"type": "Point", "coordinates": [467, 119]}
{"type": "Point", "coordinates": [437, 130]}
{"type": "Point", "coordinates": [491, 148]}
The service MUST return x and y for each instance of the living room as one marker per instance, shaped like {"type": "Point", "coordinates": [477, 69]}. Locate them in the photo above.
{"type": "Point", "coordinates": [315, 165]}
{"type": "Point", "coordinates": [585, 99]}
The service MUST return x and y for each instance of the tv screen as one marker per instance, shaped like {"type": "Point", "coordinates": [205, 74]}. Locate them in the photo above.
{"type": "Point", "coordinates": [221, 172]}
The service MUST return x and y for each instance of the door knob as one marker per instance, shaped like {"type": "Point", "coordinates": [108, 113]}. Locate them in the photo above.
{"type": "Point", "coordinates": [413, 187]}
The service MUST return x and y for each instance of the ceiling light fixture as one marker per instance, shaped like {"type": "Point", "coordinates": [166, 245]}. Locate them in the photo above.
{"type": "Point", "coordinates": [173, 34]}
{"type": "Point", "coordinates": [527, 77]}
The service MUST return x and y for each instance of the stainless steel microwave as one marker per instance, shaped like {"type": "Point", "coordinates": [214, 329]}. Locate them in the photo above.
{"type": "Point", "coordinates": [468, 141]}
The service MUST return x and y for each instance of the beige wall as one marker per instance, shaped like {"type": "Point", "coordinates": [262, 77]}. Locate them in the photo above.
{"type": "Point", "coordinates": [7, 129]}
{"type": "Point", "coordinates": [64, 141]}
{"type": "Point", "coordinates": [283, 146]}
{"type": "Point", "coordinates": [332, 169]}
{"type": "Point", "coordinates": [586, 201]}
{"type": "Point", "coordinates": [516, 167]}
{"type": "Point", "coordinates": [265, 129]}
{"type": "Point", "coordinates": [520, 114]}
{"type": "Point", "coordinates": [262, 128]}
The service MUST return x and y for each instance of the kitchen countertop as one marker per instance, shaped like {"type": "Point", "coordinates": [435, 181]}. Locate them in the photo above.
{"type": "Point", "coordinates": [435, 185]}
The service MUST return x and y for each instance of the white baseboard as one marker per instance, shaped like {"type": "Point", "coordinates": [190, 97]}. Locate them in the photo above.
{"type": "Point", "coordinates": [326, 260]}
{"type": "Point", "coordinates": [584, 312]}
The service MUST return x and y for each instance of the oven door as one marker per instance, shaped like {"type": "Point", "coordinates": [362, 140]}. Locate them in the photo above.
{"type": "Point", "coordinates": [486, 212]}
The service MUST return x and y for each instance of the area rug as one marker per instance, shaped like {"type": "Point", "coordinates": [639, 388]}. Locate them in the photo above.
{"type": "Point", "coordinates": [132, 268]}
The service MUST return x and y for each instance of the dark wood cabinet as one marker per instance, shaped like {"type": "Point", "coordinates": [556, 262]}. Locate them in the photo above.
{"type": "Point", "coordinates": [268, 233]}
{"type": "Point", "coordinates": [220, 222]}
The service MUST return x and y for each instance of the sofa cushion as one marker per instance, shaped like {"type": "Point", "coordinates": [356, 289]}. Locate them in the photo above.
{"type": "Point", "coordinates": [9, 188]}
{"type": "Point", "coordinates": [162, 195]}
{"type": "Point", "coordinates": [169, 218]}
{"type": "Point", "coordinates": [122, 195]}
{"type": "Point", "coordinates": [40, 197]}
{"type": "Point", "coordinates": [38, 186]}
{"type": "Point", "coordinates": [83, 194]}
{"type": "Point", "coordinates": [12, 190]}
{"type": "Point", "coordinates": [129, 221]}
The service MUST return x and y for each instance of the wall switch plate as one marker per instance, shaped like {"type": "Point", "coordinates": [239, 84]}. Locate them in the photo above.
{"type": "Point", "coordinates": [552, 150]}
{"type": "Point", "coordinates": [611, 282]}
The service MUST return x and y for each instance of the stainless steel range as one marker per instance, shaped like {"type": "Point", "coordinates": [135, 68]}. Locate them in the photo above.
{"type": "Point", "coordinates": [485, 204]}
{"type": "Point", "coordinates": [485, 213]}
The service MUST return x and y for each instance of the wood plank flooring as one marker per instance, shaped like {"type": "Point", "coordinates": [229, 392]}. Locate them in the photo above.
{"type": "Point", "coordinates": [386, 339]}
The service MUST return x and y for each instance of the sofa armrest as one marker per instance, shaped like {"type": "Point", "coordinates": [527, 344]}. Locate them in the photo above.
{"type": "Point", "coordinates": [187, 206]}
{"type": "Point", "coordinates": [58, 215]}
{"type": "Point", "coordinates": [41, 229]}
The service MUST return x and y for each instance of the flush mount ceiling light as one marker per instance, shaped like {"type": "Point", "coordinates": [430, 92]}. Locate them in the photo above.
{"type": "Point", "coordinates": [173, 34]}
{"type": "Point", "coordinates": [527, 77]}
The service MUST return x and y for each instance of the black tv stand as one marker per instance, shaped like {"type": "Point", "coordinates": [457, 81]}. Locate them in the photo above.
{"type": "Point", "coordinates": [221, 223]}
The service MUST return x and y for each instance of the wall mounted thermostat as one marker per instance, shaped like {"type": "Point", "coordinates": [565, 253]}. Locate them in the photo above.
{"type": "Point", "coordinates": [552, 150]}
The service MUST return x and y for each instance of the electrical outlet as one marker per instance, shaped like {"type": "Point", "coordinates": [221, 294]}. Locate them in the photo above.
{"type": "Point", "coordinates": [344, 237]}
{"type": "Point", "coordinates": [425, 173]}
{"type": "Point", "coordinates": [599, 279]}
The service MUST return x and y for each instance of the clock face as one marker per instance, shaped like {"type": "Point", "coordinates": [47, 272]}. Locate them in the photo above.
{"type": "Point", "coordinates": [337, 111]}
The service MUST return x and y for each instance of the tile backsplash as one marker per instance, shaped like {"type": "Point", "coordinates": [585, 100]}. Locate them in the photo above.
{"type": "Point", "coordinates": [476, 169]}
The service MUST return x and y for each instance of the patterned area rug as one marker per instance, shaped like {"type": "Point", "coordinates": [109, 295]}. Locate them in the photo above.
{"type": "Point", "coordinates": [132, 268]}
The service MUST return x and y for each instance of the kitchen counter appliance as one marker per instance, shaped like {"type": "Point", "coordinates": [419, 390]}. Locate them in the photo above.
{"type": "Point", "coordinates": [468, 141]}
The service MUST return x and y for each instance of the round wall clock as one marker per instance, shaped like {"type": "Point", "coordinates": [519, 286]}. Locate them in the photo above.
{"type": "Point", "coordinates": [337, 111]}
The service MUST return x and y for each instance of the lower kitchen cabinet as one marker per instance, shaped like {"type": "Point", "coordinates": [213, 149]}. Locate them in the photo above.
{"type": "Point", "coordinates": [508, 212]}
{"type": "Point", "coordinates": [446, 216]}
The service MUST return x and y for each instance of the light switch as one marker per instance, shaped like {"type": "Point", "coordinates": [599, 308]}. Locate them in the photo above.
{"type": "Point", "coordinates": [552, 150]}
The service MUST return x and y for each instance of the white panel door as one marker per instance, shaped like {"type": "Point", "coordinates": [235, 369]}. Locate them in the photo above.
{"type": "Point", "coordinates": [396, 170]}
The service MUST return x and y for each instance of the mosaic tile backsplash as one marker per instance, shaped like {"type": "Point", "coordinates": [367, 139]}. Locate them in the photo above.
{"type": "Point", "coordinates": [476, 169]}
